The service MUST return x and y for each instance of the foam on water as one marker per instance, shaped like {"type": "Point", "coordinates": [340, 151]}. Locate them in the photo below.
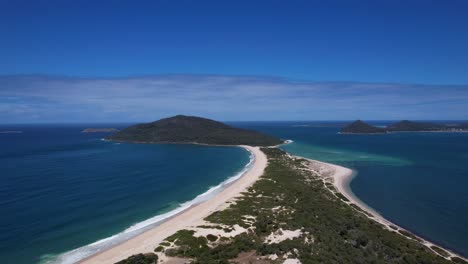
{"type": "Point", "coordinates": [78, 254]}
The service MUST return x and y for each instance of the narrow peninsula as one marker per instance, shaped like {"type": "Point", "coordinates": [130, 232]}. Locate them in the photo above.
{"type": "Point", "coordinates": [286, 209]}
{"type": "Point", "coordinates": [100, 130]}
{"type": "Point", "coordinates": [192, 129]}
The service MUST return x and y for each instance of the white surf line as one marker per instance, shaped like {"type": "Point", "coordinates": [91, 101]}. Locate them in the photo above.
{"type": "Point", "coordinates": [192, 216]}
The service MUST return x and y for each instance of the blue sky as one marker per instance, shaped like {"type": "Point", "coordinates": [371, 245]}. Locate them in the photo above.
{"type": "Point", "coordinates": [412, 52]}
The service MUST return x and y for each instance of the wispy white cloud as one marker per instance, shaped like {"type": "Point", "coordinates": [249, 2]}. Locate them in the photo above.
{"type": "Point", "coordinates": [59, 99]}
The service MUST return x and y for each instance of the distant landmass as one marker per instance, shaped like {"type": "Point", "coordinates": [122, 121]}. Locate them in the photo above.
{"type": "Point", "coordinates": [360, 127]}
{"type": "Point", "coordinates": [406, 125]}
{"type": "Point", "coordinates": [11, 132]}
{"type": "Point", "coordinates": [192, 129]}
{"type": "Point", "coordinates": [99, 130]}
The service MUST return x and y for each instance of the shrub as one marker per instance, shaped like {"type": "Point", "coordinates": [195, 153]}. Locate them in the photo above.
{"type": "Point", "coordinates": [149, 258]}
{"type": "Point", "coordinates": [211, 237]}
{"type": "Point", "coordinates": [458, 260]}
{"type": "Point", "coordinates": [440, 251]}
{"type": "Point", "coordinates": [159, 249]}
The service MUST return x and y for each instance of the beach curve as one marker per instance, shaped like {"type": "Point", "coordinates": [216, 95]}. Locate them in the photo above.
{"type": "Point", "coordinates": [341, 177]}
{"type": "Point", "coordinates": [192, 216]}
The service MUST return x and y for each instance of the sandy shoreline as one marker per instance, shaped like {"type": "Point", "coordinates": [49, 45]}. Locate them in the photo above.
{"type": "Point", "coordinates": [341, 177]}
{"type": "Point", "coordinates": [193, 216]}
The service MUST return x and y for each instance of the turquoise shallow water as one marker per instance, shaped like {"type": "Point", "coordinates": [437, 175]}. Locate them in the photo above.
{"type": "Point", "coordinates": [61, 189]}
{"type": "Point", "coordinates": [417, 180]}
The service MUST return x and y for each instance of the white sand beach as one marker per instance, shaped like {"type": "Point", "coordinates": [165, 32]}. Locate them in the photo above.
{"type": "Point", "coordinates": [192, 217]}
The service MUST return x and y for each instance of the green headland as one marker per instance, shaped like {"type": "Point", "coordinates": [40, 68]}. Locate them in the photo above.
{"type": "Point", "coordinates": [192, 129]}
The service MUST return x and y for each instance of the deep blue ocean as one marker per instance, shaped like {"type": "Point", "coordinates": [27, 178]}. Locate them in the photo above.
{"type": "Point", "coordinates": [61, 189]}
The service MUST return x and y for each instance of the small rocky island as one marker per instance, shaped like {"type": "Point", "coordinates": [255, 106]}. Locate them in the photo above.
{"type": "Point", "coordinates": [192, 129]}
{"type": "Point", "coordinates": [360, 127]}
{"type": "Point", "coordinates": [99, 130]}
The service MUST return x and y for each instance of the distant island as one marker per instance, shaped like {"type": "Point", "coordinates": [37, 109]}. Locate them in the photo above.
{"type": "Point", "coordinates": [11, 132]}
{"type": "Point", "coordinates": [406, 125]}
{"type": "Point", "coordinates": [360, 127]}
{"type": "Point", "coordinates": [99, 130]}
{"type": "Point", "coordinates": [192, 129]}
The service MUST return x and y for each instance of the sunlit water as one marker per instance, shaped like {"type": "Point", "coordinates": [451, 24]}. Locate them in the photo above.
{"type": "Point", "coordinates": [61, 189]}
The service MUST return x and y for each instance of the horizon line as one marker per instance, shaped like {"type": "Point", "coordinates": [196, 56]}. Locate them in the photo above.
{"type": "Point", "coordinates": [182, 74]}
{"type": "Point", "coordinates": [228, 121]}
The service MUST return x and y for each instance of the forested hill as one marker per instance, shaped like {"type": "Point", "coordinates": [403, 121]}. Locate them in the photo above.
{"type": "Point", "coordinates": [360, 127]}
{"type": "Point", "coordinates": [191, 129]}
{"type": "Point", "coordinates": [406, 125]}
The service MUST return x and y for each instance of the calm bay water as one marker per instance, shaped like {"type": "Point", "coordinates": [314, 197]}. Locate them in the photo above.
{"type": "Point", "coordinates": [61, 189]}
{"type": "Point", "coordinates": [417, 180]}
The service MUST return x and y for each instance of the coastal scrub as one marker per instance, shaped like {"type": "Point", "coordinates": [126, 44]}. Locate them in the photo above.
{"type": "Point", "coordinates": [291, 200]}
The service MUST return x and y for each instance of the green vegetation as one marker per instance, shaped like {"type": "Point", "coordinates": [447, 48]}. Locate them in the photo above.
{"type": "Point", "coordinates": [187, 245]}
{"type": "Point", "coordinates": [360, 127]}
{"type": "Point", "coordinates": [166, 244]}
{"type": "Point", "coordinates": [458, 260]}
{"type": "Point", "coordinates": [159, 249]}
{"type": "Point", "coordinates": [291, 198]}
{"type": "Point", "coordinates": [440, 251]}
{"type": "Point", "coordinates": [210, 226]}
{"type": "Point", "coordinates": [191, 129]}
{"type": "Point", "coordinates": [342, 197]}
{"type": "Point", "coordinates": [197, 248]}
{"type": "Point", "coordinates": [149, 258]}
{"type": "Point", "coordinates": [355, 206]}
{"type": "Point", "coordinates": [408, 234]}
{"type": "Point", "coordinates": [211, 238]}
{"type": "Point", "coordinates": [406, 125]}
{"type": "Point", "coordinates": [181, 234]}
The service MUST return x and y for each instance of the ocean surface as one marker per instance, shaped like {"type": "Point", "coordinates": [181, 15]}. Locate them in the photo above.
{"type": "Point", "coordinates": [417, 180]}
{"type": "Point", "coordinates": [61, 189]}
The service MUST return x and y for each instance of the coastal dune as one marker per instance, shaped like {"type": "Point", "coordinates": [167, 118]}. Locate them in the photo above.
{"type": "Point", "coordinates": [147, 241]}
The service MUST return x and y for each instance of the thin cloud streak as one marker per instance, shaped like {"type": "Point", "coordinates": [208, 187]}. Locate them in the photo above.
{"type": "Point", "coordinates": [67, 99]}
